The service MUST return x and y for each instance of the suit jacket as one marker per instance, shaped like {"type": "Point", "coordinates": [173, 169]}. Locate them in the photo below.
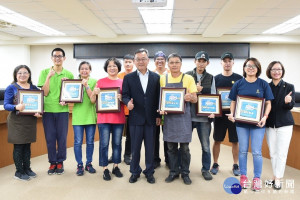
{"type": "Point", "coordinates": [145, 104]}
{"type": "Point", "coordinates": [280, 114]}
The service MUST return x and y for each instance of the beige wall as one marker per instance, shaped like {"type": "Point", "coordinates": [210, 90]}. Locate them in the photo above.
{"type": "Point", "coordinates": [10, 57]}
{"type": "Point", "coordinates": [288, 54]}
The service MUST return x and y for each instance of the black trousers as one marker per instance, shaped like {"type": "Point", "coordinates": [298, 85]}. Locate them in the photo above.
{"type": "Point", "coordinates": [21, 156]}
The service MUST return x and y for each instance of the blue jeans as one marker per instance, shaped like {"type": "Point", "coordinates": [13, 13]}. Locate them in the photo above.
{"type": "Point", "coordinates": [257, 136]}
{"type": "Point", "coordinates": [203, 129]}
{"type": "Point", "coordinates": [78, 138]}
{"type": "Point", "coordinates": [104, 135]}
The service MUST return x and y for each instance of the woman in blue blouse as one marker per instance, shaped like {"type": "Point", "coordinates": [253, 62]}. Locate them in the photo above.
{"type": "Point", "coordinates": [21, 128]}
{"type": "Point", "coordinates": [252, 86]}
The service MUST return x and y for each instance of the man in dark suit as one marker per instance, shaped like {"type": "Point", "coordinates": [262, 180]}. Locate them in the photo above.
{"type": "Point", "coordinates": [141, 95]}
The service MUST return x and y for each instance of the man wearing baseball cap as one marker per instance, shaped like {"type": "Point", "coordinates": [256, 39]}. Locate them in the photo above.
{"type": "Point", "coordinates": [226, 79]}
{"type": "Point", "coordinates": [205, 85]}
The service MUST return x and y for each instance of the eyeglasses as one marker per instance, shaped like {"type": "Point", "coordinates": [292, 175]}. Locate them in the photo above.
{"type": "Point", "coordinates": [276, 70]}
{"type": "Point", "coordinates": [22, 73]}
{"type": "Point", "coordinates": [141, 60]}
{"type": "Point", "coordinates": [251, 66]}
{"type": "Point", "coordinates": [174, 63]}
{"type": "Point", "coordinates": [60, 56]}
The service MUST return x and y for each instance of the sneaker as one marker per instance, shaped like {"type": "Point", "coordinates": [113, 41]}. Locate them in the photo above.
{"type": "Point", "coordinates": [89, 167]}
{"type": "Point", "coordinates": [116, 171]}
{"type": "Point", "coordinates": [80, 170]}
{"type": "Point", "coordinates": [106, 175]}
{"type": "Point", "coordinates": [52, 169]}
{"type": "Point", "coordinates": [244, 182]}
{"type": "Point", "coordinates": [60, 168]}
{"type": "Point", "coordinates": [256, 184]}
{"type": "Point", "coordinates": [215, 169]}
{"type": "Point", "coordinates": [186, 179]}
{"type": "Point", "coordinates": [269, 182]}
{"type": "Point", "coordinates": [30, 173]}
{"type": "Point", "coordinates": [277, 184]}
{"type": "Point", "coordinates": [236, 170]}
{"type": "Point", "coordinates": [207, 176]}
{"type": "Point", "coordinates": [21, 176]}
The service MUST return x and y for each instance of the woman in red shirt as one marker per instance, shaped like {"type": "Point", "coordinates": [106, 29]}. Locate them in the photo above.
{"type": "Point", "coordinates": [110, 122]}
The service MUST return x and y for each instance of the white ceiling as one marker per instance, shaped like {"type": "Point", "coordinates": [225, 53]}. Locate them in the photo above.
{"type": "Point", "coordinates": [85, 21]}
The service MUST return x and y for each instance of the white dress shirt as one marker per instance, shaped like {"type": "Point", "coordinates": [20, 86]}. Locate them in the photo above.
{"type": "Point", "coordinates": [144, 79]}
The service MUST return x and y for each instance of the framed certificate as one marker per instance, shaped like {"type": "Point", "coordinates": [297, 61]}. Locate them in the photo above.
{"type": "Point", "coordinates": [33, 100]}
{"type": "Point", "coordinates": [172, 100]}
{"type": "Point", "coordinates": [209, 104]}
{"type": "Point", "coordinates": [224, 93]}
{"type": "Point", "coordinates": [249, 109]}
{"type": "Point", "coordinates": [71, 91]}
{"type": "Point", "coordinates": [107, 100]}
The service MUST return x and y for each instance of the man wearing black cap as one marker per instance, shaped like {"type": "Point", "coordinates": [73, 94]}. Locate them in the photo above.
{"type": "Point", "coordinates": [222, 124]}
{"type": "Point", "coordinates": [160, 69]}
{"type": "Point", "coordinates": [205, 85]}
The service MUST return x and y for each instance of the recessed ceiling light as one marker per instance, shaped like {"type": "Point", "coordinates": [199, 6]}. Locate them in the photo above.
{"type": "Point", "coordinates": [20, 20]}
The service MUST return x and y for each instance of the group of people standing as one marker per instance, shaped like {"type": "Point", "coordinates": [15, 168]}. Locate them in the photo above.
{"type": "Point", "coordinates": [140, 119]}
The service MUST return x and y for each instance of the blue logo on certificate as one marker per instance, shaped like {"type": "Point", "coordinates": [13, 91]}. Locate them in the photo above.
{"type": "Point", "coordinates": [108, 99]}
{"type": "Point", "coordinates": [172, 100]}
{"type": "Point", "coordinates": [249, 110]}
{"type": "Point", "coordinates": [72, 90]}
{"type": "Point", "coordinates": [225, 99]}
{"type": "Point", "coordinates": [30, 101]}
{"type": "Point", "coordinates": [209, 105]}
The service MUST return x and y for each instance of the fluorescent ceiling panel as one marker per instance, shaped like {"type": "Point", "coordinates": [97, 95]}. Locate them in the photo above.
{"type": "Point", "coordinates": [20, 20]}
{"type": "Point", "coordinates": [158, 19]}
{"type": "Point", "coordinates": [285, 27]}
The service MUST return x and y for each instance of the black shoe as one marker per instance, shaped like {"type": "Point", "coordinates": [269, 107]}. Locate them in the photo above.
{"type": "Point", "coordinates": [89, 167]}
{"type": "Point", "coordinates": [156, 165]}
{"type": "Point", "coordinates": [110, 160]}
{"type": "Point", "coordinates": [127, 159]}
{"type": "Point", "coordinates": [116, 171]}
{"type": "Point", "coordinates": [106, 175]}
{"type": "Point", "coordinates": [133, 178]}
{"type": "Point", "coordinates": [150, 178]}
{"type": "Point", "coordinates": [277, 185]}
{"type": "Point", "coordinates": [186, 180]}
{"type": "Point", "coordinates": [171, 178]}
{"type": "Point", "coordinates": [207, 176]}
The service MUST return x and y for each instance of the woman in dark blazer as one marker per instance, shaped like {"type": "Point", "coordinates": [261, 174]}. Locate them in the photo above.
{"type": "Point", "coordinates": [279, 125]}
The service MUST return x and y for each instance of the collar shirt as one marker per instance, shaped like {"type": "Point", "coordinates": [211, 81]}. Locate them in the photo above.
{"type": "Point", "coordinates": [143, 79]}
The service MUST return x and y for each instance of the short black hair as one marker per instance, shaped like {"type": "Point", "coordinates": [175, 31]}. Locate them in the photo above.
{"type": "Point", "coordinates": [115, 60]}
{"type": "Point", "coordinates": [174, 55]}
{"type": "Point", "coordinates": [58, 49]}
{"type": "Point", "coordinates": [128, 57]}
{"type": "Point", "coordinates": [16, 71]}
{"type": "Point", "coordinates": [268, 72]}
{"type": "Point", "coordinates": [141, 51]}
{"type": "Point", "coordinates": [256, 63]}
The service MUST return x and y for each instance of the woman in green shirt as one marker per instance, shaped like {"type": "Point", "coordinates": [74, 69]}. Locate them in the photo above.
{"type": "Point", "coordinates": [84, 118]}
